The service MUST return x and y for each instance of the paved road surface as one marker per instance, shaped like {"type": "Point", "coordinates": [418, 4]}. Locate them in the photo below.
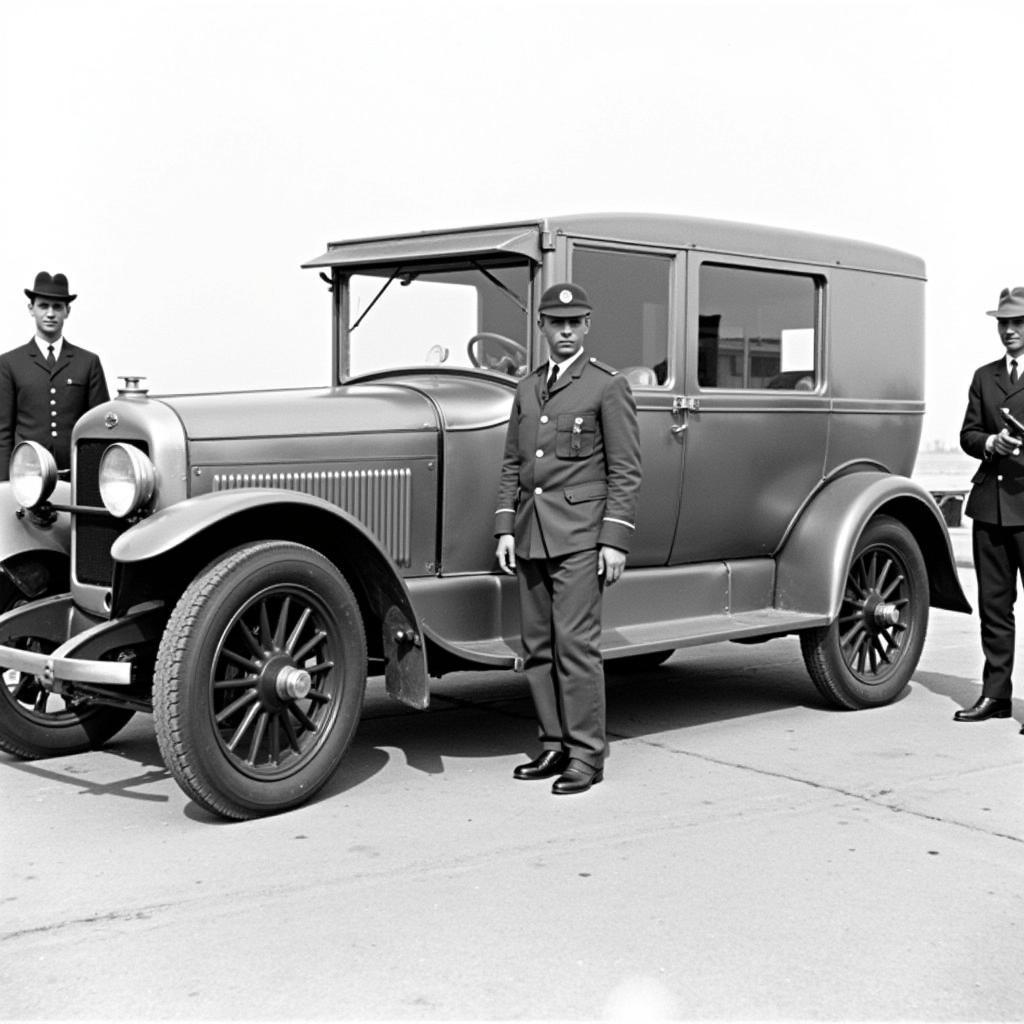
{"type": "Point", "coordinates": [750, 855]}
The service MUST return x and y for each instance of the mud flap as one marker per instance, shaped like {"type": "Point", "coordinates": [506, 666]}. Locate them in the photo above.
{"type": "Point", "coordinates": [405, 670]}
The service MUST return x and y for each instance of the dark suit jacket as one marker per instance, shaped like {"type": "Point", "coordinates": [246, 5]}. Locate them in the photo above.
{"type": "Point", "coordinates": [571, 471]}
{"type": "Point", "coordinates": [998, 492]}
{"type": "Point", "coordinates": [40, 404]}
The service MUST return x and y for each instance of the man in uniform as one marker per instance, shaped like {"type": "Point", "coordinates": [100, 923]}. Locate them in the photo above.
{"type": "Point", "coordinates": [565, 517]}
{"type": "Point", "coordinates": [996, 504]}
{"type": "Point", "coordinates": [47, 384]}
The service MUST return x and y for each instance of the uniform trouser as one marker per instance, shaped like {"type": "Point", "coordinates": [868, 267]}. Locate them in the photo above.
{"type": "Point", "coordinates": [560, 617]}
{"type": "Point", "coordinates": [998, 561]}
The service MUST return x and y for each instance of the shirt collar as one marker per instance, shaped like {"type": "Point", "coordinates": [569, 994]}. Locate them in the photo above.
{"type": "Point", "coordinates": [564, 365]}
{"type": "Point", "coordinates": [43, 345]}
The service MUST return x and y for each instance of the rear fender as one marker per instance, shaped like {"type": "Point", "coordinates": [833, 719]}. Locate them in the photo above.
{"type": "Point", "coordinates": [176, 543]}
{"type": "Point", "coordinates": [815, 557]}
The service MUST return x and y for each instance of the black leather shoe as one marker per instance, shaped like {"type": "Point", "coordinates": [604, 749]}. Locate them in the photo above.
{"type": "Point", "coordinates": [985, 707]}
{"type": "Point", "coordinates": [578, 777]}
{"type": "Point", "coordinates": [551, 762]}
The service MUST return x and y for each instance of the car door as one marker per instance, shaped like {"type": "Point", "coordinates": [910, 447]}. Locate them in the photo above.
{"type": "Point", "coordinates": [634, 328]}
{"type": "Point", "coordinates": [755, 404]}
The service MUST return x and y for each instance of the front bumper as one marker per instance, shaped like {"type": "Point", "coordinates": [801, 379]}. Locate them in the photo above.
{"type": "Point", "coordinates": [78, 657]}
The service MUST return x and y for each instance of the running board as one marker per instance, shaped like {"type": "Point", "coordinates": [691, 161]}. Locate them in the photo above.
{"type": "Point", "coordinates": [623, 641]}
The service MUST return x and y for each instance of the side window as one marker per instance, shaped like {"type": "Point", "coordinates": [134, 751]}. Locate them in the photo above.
{"type": "Point", "coordinates": [757, 329]}
{"type": "Point", "coordinates": [630, 292]}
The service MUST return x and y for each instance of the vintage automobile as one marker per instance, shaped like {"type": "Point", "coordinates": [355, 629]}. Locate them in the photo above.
{"type": "Point", "coordinates": [237, 564]}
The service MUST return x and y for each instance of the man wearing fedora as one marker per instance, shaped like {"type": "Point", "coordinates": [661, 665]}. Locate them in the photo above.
{"type": "Point", "coordinates": [566, 505]}
{"type": "Point", "coordinates": [996, 504]}
{"type": "Point", "coordinates": [47, 384]}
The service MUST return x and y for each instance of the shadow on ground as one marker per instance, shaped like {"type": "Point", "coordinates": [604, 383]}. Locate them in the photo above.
{"type": "Point", "coordinates": [490, 715]}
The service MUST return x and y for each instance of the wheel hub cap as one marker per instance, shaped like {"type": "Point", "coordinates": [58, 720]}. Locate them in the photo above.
{"type": "Point", "coordinates": [293, 683]}
{"type": "Point", "coordinates": [886, 614]}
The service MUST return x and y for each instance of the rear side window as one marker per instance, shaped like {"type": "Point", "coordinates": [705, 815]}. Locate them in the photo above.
{"type": "Point", "coordinates": [757, 329]}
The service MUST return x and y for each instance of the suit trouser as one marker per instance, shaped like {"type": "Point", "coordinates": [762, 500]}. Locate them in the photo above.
{"type": "Point", "coordinates": [998, 561]}
{"type": "Point", "coordinates": [560, 617]}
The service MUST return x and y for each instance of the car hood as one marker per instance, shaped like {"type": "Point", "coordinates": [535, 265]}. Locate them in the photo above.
{"type": "Point", "coordinates": [302, 412]}
{"type": "Point", "coordinates": [412, 402]}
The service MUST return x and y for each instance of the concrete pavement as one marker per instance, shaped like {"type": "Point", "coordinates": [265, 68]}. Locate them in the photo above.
{"type": "Point", "coordinates": [960, 537]}
{"type": "Point", "coordinates": [750, 855]}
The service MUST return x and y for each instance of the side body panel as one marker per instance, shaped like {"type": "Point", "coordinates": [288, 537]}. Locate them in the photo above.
{"type": "Point", "coordinates": [876, 368]}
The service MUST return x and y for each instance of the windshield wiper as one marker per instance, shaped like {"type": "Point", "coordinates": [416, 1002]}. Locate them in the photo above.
{"type": "Point", "coordinates": [383, 289]}
{"type": "Point", "coordinates": [500, 284]}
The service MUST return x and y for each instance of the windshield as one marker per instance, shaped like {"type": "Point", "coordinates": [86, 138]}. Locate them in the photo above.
{"type": "Point", "coordinates": [472, 316]}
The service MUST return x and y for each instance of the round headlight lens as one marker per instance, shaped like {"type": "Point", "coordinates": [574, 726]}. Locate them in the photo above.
{"type": "Point", "coordinates": [127, 479]}
{"type": "Point", "coordinates": [33, 474]}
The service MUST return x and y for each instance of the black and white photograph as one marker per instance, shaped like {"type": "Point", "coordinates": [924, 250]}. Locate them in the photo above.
{"type": "Point", "coordinates": [511, 510]}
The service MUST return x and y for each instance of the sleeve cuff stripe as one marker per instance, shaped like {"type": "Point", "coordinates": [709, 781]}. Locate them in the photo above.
{"type": "Point", "coordinates": [611, 519]}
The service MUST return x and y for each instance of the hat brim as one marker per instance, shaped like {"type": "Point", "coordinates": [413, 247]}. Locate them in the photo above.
{"type": "Point", "coordinates": [46, 295]}
{"type": "Point", "coordinates": [565, 311]}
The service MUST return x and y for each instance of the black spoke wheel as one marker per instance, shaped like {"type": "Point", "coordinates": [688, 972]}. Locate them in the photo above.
{"type": "Point", "coordinates": [36, 723]}
{"type": "Point", "coordinates": [867, 656]}
{"type": "Point", "coordinates": [259, 680]}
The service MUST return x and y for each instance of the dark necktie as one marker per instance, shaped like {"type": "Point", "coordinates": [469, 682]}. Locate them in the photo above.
{"type": "Point", "coordinates": [1013, 371]}
{"type": "Point", "coordinates": [552, 378]}
{"type": "Point", "coordinates": [50, 360]}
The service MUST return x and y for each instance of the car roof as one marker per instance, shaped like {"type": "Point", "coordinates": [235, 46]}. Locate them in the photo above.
{"type": "Point", "coordinates": [737, 238]}
{"type": "Point", "coordinates": [669, 231]}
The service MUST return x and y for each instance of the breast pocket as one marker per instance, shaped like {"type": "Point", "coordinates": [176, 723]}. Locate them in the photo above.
{"type": "Point", "coordinates": [575, 435]}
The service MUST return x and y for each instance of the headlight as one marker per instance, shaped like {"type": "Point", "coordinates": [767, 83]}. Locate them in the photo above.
{"type": "Point", "coordinates": [33, 474]}
{"type": "Point", "coordinates": [127, 479]}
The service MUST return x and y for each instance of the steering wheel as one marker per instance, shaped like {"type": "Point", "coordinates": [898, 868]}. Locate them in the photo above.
{"type": "Point", "coordinates": [491, 351]}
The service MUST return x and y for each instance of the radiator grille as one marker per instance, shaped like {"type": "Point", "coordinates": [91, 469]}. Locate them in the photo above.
{"type": "Point", "coordinates": [94, 533]}
{"type": "Point", "coordinates": [379, 498]}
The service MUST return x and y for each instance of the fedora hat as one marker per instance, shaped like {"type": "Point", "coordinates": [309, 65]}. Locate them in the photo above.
{"type": "Point", "coordinates": [1011, 304]}
{"type": "Point", "coordinates": [49, 286]}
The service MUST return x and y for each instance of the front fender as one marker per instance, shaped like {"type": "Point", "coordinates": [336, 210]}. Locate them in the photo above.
{"type": "Point", "coordinates": [816, 555]}
{"type": "Point", "coordinates": [194, 531]}
{"type": "Point", "coordinates": [173, 526]}
{"type": "Point", "coordinates": [34, 555]}
{"type": "Point", "coordinates": [22, 533]}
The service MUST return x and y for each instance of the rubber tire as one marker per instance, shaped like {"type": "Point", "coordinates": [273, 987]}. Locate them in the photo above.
{"type": "Point", "coordinates": [841, 684]}
{"type": "Point", "coordinates": [29, 733]}
{"type": "Point", "coordinates": [184, 698]}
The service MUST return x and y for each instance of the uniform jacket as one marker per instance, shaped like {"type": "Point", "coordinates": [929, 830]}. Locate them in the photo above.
{"type": "Point", "coordinates": [40, 404]}
{"type": "Point", "coordinates": [998, 492]}
{"type": "Point", "coordinates": [571, 470]}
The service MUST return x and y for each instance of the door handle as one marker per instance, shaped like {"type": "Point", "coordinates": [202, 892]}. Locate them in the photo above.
{"type": "Point", "coordinates": [681, 408]}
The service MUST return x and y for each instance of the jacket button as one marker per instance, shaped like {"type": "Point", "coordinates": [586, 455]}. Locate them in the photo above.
{"type": "Point", "coordinates": [543, 419]}
{"type": "Point", "coordinates": [540, 453]}
{"type": "Point", "coordinates": [1000, 478]}
{"type": "Point", "coordinates": [538, 490]}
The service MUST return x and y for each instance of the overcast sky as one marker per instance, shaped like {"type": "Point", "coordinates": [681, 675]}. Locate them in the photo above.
{"type": "Point", "coordinates": [179, 160]}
